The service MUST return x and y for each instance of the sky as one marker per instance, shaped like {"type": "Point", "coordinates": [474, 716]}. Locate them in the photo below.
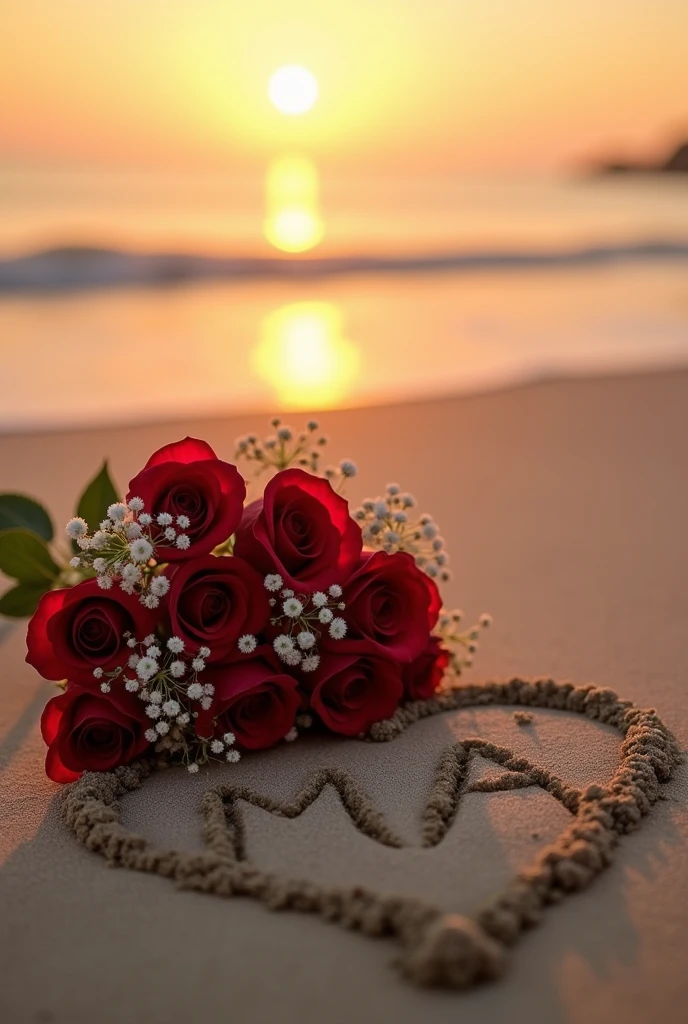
{"type": "Point", "coordinates": [406, 86]}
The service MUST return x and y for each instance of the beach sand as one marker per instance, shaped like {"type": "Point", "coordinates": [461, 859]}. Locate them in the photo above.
{"type": "Point", "coordinates": [564, 506]}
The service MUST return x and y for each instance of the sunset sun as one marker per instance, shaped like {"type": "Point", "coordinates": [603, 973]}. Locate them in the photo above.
{"type": "Point", "coordinates": [293, 89]}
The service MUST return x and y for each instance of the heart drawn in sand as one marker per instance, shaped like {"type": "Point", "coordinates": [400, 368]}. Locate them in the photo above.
{"type": "Point", "coordinates": [437, 948]}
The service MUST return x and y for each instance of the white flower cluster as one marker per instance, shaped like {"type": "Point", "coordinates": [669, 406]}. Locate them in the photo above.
{"type": "Point", "coordinates": [461, 645]}
{"type": "Point", "coordinates": [287, 447]}
{"type": "Point", "coordinates": [302, 619]}
{"type": "Point", "coordinates": [165, 677]}
{"type": "Point", "coordinates": [123, 550]}
{"type": "Point", "coordinates": [389, 524]}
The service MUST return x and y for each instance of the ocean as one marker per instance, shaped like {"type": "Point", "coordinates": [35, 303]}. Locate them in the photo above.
{"type": "Point", "coordinates": [129, 298]}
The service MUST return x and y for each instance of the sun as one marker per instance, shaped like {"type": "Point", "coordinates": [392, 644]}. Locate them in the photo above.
{"type": "Point", "coordinates": [293, 89]}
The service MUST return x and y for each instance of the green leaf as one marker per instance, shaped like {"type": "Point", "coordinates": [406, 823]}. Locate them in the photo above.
{"type": "Point", "coordinates": [20, 510]}
{"type": "Point", "coordinates": [98, 496]}
{"type": "Point", "coordinates": [24, 556]}
{"type": "Point", "coordinates": [21, 601]}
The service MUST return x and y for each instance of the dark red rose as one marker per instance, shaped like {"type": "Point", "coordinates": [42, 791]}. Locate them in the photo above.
{"type": "Point", "coordinates": [213, 601]}
{"type": "Point", "coordinates": [302, 530]}
{"type": "Point", "coordinates": [391, 605]}
{"type": "Point", "coordinates": [76, 630]}
{"type": "Point", "coordinates": [88, 731]}
{"type": "Point", "coordinates": [187, 478]}
{"type": "Point", "coordinates": [423, 675]}
{"type": "Point", "coordinates": [254, 698]}
{"type": "Point", "coordinates": [351, 692]}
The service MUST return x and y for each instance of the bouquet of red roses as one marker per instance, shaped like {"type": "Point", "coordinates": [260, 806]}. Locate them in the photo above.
{"type": "Point", "coordinates": [199, 626]}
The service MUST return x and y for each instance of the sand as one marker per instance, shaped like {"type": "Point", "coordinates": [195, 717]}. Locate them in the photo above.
{"type": "Point", "coordinates": [564, 505]}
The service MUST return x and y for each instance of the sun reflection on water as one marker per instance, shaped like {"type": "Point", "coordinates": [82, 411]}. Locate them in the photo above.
{"type": "Point", "coordinates": [304, 356]}
{"type": "Point", "coordinates": [293, 222]}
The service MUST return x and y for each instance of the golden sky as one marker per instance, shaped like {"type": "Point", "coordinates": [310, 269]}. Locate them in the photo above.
{"type": "Point", "coordinates": [406, 86]}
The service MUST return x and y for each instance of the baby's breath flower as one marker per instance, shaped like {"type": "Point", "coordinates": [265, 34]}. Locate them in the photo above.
{"type": "Point", "coordinates": [287, 593]}
{"type": "Point", "coordinates": [131, 573]}
{"type": "Point", "coordinates": [170, 533]}
{"type": "Point", "coordinates": [160, 586]}
{"type": "Point", "coordinates": [151, 735]}
{"type": "Point", "coordinates": [182, 542]}
{"type": "Point", "coordinates": [105, 687]}
{"type": "Point", "coordinates": [229, 738]}
{"type": "Point", "coordinates": [99, 564]}
{"type": "Point", "coordinates": [175, 644]}
{"type": "Point", "coordinates": [84, 543]}
{"type": "Point", "coordinates": [150, 601]}
{"type": "Point", "coordinates": [117, 511]}
{"type": "Point", "coordinates": [208, 689]}
{"type": "Point", "coordinates": [217, 746]}
{"type": "Point", "coordinates": [155, 697]}
{"type": "Point", "coordinates": [183, 522]}
{"type": "Point", "coordinates": [162, 727]}
{"type": "Point", "coordinates": [282, 644]}
{"type": "Point", "coordinates": [292, 734]}
{"type": "Point", "coordinates": [164, 519]}
{"type": "Point", "coordinates": [192, 768]}
{"type": "Point", "coordinates": [233, 756]}
{"type": "Point", "coordinates": [485, 620]}
{"type": "Point", "coordinates": [310, 663]}
{"type": "Point", "coordinates": [292, 657]}
{"type": "Point", "coordinates": [337, 628]}
{"type": "Point", "coordinates": [195, 691]}
{"type": "Point", "coordinates": [393, 489]}
{"type": "Point", "coordinates": [292, 607]}
{"type": "Point", "coordinates": [183, 719]}
{"type": "Point", "coordinates": [77, 527]}
{"type": "Point", "coordinates": [131, 685]}
{"type": "Point", "coordinates": [247, 643]}
{"type": "Point", "coordinates": [153, 711]}
{"type": "Point", "coordinates": [206, 703]}
{"type": "Point", "coordinates": [98, 672]}
{"type": "Point", "coordinates": [204, 652]}
{"type": "Point", "coordinates": [146, 668]}
{"type": "Point", "coordinates": [284, 434]}
{"type": "Point", "coordinates": [145, 519]}
{"type": "Point", "coordinates": [177, 669]}
{"type": "Point", "coordinates": [141, 549]}
{"type": "Point", "coordinates": [429, 531]}
{"type": "Point", "coordinates": [132, 531]}
{"type": "Point", "coordinates": [335, 590]}
{"type": "Point", "coordinates": [348, 468]}
{"type": "Point", "coordinates": [305, 640]}
{"type": "Point", "coordinates": [75, 562]}
{"type": "Point", "coordinates": [325, 615]}
{"type": "Point", "coordinates": [319, 599]}
{"type": "Point", "coordinates": [136, 504]}
{"type": "Point", "coordinates": [380, 508]}
{"type": "Point", "coordinates": [104, 582]}
{"type": "Point", "coordinates": [148, 640]}
{"type": "Point", "coordinates": [198, 664]}
{"type": "Point", "coordinates": [133, 660]}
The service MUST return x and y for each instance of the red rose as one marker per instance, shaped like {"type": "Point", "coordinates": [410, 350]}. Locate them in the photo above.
{"type": "Point", "coordinates": [187, 478]}
{"type": "Point", "coordinates": [254, 698]}
{"type": "Point", "coordinates": [86, 731]}
{"type": "Point", "coordinates": [213, 601]}
{"type": "Point", "coordinates": [352, 692]}
{"type": "Point", "coordinates": [390, 604]}
{"type": "Point", "coordinates": [302, 530]}
{"type": "Point", "coordinates": [76, 630]}
{"type": "Point", "coordinates": [423, 675]}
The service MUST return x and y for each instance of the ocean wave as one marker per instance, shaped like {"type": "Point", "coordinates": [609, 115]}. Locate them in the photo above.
{"type": "Point", "coordinates": [78, 268]}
